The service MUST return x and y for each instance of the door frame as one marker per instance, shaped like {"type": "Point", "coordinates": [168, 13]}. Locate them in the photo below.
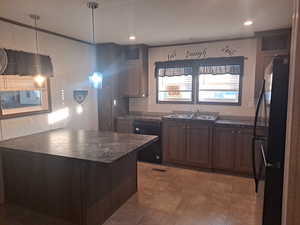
{"type": "Point", "coordinates": [291, 198]}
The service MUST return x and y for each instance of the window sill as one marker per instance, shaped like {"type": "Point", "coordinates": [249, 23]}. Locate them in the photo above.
{"type": "Point", "coordinates": [220, 103]}
{"type": "Point", "coordinates": [25, 114]}
{"type": "Point", "coordinates": [174, 102]}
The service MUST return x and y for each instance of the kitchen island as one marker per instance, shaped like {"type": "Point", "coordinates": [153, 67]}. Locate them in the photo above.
{"type": "Point", "coordinates": [77, 175]}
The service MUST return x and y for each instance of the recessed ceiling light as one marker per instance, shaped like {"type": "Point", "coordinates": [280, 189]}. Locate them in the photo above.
{"type": "Point", "coordinates": [132, 38]}
{"type": "Point", "coordinates": [248, 23]}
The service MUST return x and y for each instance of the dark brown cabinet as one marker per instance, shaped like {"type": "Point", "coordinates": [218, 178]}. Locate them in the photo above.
{"type": "Point", "coordinates": [232, 149]}
{"type": "Point", "coordinates": [224, 148]}
{"type": "Point", "coordinates": [124, 125]}
{"type": "Point", "coordinates": [198, 142]}
{"type": "Point", "coordinates": [174, 141]}
{"type": "Point", "coordinates": [243, 151]}
{"type": "Point", "coordinates": [134, 80]}
{"type": "Point", "coordinates": [111, 103]}
{"type": "Point", "coordinates": [186, 143]}
{"type": "Point", "coordinates": [269, 44]}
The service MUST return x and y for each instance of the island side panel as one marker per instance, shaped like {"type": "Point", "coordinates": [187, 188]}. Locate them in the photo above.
{"type": "Point", "coordinates": [96, 186]}
{"type": "Point", "coordinates": [108, 187]}
{"type": "Point", "coordinates": [44, 183]}
{"type": "Point", "coordinates": [124, 179]}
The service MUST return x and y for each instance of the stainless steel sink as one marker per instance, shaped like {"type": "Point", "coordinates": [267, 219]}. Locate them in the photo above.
{"type": "Point", "coordinates": [204, 117]}
{"type": "Point", "coordinates": [180, 116]}
{"type": "Point", "coordinates": [194, 116]}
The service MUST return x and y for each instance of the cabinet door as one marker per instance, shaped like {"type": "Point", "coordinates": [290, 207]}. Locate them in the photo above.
{"type": "Point", "coordinates": [124, 126]}
{"type": "Point", "coordinates": [243, 155]}
{"type": "Point", "coordinates": [132, 81]}
{"type": "Point", "coordinates": [224, 148]}
{"type": "Point", "coordinates": [174, 141]}
{"type": "Point", "coordinates": [105, 112]}
{"type": "Point", "coordinates": [198, 145]}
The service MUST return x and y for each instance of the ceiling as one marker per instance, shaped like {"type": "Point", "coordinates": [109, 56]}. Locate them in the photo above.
{"type": "Point", "coordinates": [153, 22]}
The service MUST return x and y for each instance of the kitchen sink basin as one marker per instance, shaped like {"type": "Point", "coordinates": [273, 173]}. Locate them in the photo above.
{"type": "Point", "coordinates": [205, 117]}
{"type": "Point", "coordinates": [194, 116]}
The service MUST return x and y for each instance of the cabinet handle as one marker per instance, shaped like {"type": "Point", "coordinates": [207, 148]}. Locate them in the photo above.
{"type": "Point", "coordinates": [239, 132]}
{"type": "Point", "coordinates": [232, 131]}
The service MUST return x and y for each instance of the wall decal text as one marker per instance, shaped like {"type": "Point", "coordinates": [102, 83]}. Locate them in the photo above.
{"type": "Point", "coordinates": [196, 54]}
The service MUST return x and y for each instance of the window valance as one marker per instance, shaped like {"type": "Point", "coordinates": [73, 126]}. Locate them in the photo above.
{"type": "Point", "coordinates": [227, 65]}
{"type": "Point", "coordinates": [215, 70]}
{"type": "Point", "coordinates": [27, 64]}
{"type": "Point", "coordinates": [173, 68]}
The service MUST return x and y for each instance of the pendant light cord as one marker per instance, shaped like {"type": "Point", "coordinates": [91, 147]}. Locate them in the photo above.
{"type": "Point", "coordinates": [93, 24]}
{"type": "Point", "coordinates": [93, 5]}
{"type": "Point", "coordinates": [36, 18]}
{"type": "Point", "coordinates": [36, 36]}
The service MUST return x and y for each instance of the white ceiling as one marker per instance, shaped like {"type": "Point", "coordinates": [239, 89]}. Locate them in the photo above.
{"type": "Point", "coordinates": [153, 21]}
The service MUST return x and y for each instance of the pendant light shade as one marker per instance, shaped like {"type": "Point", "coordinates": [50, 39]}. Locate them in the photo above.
{"type": "Point", "coordinates": [95, 78]}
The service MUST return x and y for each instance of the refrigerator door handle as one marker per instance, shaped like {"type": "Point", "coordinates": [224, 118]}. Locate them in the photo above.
{"type": "Point", "coordinates": [266, 163]}
{"type": "Point", "coordinates": [254, 164]}
{"type": "Point", "coordinates": [255, 137]}
{"type": "Point", "coordinates": [262, 150]}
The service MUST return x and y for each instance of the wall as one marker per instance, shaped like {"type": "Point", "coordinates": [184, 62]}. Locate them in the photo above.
{"type": "Point", "coordinates": [72, 62]}
{"type": "Point", "coordinates": [245, 48]}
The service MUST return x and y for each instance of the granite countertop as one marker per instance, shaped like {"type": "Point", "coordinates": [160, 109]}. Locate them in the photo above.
{"type": "Point", "coordinates": [221, 120]}
{"type": "Point", "coordinates": [141, 117]}
{"type": "Point", "coordinates": [237, 122]}
{"type": "Point", "coordinates": [103, 147]}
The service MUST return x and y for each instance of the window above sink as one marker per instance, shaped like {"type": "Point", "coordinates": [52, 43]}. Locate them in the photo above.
{"type": "Point", "coordinates": [203, 81]}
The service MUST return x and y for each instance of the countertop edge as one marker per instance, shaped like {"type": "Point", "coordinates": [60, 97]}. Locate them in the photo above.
{"type": "Point", "coordinates": [219, 121]}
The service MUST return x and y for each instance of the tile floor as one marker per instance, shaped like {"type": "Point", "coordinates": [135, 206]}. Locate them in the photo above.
{"type": "Point", "coordinates": [174, 197]}
{"type": "Point", "coordinates": [187, 197]}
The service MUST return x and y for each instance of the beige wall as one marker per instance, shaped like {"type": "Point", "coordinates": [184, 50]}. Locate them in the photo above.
{"type": "Point", "coordinates": [72, 63]}
{"type": "Point", "coordinates": [245, 48]}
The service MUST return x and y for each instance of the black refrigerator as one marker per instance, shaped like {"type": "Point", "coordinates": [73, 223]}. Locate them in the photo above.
{"type": "Point", "coordinates": [269, 135]}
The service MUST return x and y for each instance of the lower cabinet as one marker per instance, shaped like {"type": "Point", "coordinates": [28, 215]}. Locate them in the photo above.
{"type": "Point", "coordinates": [200, 144]}
{"type": "Point", "coordinates": [243, 151]}
{"type": "Point", "coordinates": [232, 149]}
{"type": "Point", "coordinates": [223, 148]}
{"type": "Point", "coordinates": [187, 143]}
{"type": "Point", "coordinates": [174, 141]}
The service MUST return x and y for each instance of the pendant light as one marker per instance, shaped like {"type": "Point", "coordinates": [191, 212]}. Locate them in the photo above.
{"type": "Point", "coordinates": [95, 77]}
{"type": "Point", "coordinates": [38, 78]}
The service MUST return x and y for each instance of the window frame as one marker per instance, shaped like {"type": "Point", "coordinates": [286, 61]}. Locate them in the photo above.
{"type": "Point", "coordinates": [30, 113]}
{"type": "Point", "coordinates": [176, 102]}
{"type": "Point", "coordinates": [195, 82]}
{"type": "Point", "coordinates": [239, 103]}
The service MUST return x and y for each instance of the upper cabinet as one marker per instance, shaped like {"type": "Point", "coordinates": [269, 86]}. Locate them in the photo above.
{"type": "Point", "coordinates": [134, 79]}
{"type": "Point", "coordinates": [269, 44]}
